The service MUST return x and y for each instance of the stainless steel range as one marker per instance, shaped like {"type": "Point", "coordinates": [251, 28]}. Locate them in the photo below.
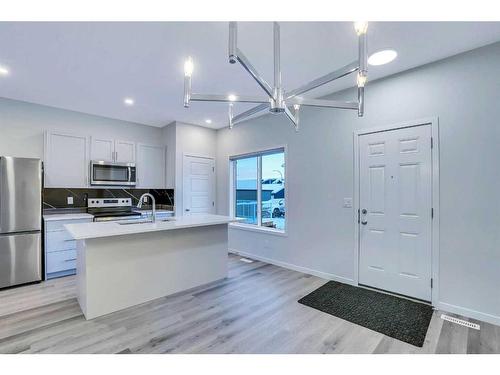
{"type": "Point", "coordinates": [112, 209]}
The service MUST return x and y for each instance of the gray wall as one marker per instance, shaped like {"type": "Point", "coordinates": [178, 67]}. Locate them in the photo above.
{"type": "Point", "coordinates": [463, 91]}
{"type": "Point", "coordinates": [190, 140]}
{"type": "Point", "coordinates": [22, 126]}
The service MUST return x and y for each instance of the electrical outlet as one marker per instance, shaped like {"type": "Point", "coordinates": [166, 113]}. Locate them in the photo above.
{"type": "Point", "coordinates": [70, 200]}
{"type": "Point", "coordinates": [347, 202]}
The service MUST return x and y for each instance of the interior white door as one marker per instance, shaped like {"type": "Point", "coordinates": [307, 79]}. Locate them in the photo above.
{"type": "Point", "coordinates": [124, 152]}
{"type": "Point", "coordinates": [395, 189]}
{"type": "Point", "coordinates": [102, 149]}
{"type": "Point", "coordinates": [198, 185]}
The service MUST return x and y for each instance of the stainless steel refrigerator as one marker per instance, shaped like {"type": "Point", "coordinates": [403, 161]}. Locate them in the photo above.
{"type": "Point", "coordinates": [20, 220]}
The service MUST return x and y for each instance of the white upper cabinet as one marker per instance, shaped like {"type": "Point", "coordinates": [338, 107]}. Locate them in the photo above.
{"type": "Point", "coordinates": [124, 152]}
{"type": "Point", "coordinates": [66, 160]}
{"type": "Point", "coordinates": [102, 149]}
{"type": "Point", "coordinates": [150, 166]}
{"type": "Point", "coordinates": [112, 150]}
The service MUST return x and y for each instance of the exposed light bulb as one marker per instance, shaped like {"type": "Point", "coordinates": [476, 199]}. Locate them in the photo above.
{"type": "Point", "coordinates": [361, 27]}
{"type": "Point", "coordinates": [296, 107]}
{"type": "Point", "coordinates": [361, 79]}
{"type": "Point", "coordinates": [188, 67]}
{"type": "Point", "coordinates": [231, 97]}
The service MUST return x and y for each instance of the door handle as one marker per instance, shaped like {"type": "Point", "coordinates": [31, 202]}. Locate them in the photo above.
{"type": "Point", "coordinates": [364, 211]}
{"type": "Point", "coordinates": [187, 209]}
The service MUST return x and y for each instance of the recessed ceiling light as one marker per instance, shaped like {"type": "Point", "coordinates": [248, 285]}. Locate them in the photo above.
{"type": "Point", "coordinates": [128, 101]}
{"type": "Point", "coordinates": [231, 97]}
{"type": "Point", "coordinates": [208, 121]}
{"type": "Point", "coordinates": [3, 70]}
{"type": "Point", "coordinates": [382, 57]}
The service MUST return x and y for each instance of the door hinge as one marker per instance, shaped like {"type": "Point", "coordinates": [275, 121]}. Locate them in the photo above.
{"type": "Point", "coordinates": [432, 282]}
{"type": "Point", "coordinates": [432, 142]}
{"type": "Point", "coordinates": [358, 215]}
{"type": "Point", "coordinates": [432, 213]}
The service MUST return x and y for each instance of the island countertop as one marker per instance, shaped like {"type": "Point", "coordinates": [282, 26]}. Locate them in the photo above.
{"type": "Point", "coordinates": [82, 231]}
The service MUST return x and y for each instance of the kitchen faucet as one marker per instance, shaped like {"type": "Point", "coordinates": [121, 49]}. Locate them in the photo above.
{"type": "Point", "coordinates": [139, 205]}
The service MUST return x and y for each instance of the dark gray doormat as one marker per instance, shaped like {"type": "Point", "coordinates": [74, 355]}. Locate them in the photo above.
{"type": "Point", "coordinates": [399, 318]}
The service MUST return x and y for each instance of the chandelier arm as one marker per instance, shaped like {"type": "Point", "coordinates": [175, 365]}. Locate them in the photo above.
{"type": "Point", "coordinates": [225, 98]}
{"type": "Point", "coordinates": [324, 103]}
{"type": "Point", "coordinates": [247, 65]}
{"type": "Point", "coordinates": [339, 73]}
{"type": "Point", "coordinates": [252, 111]}
{"type": "Point", "coordinates": [292, 118]}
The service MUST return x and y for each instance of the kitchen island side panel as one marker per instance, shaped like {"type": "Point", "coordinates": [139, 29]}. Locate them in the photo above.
{"type": "Point", "coordinates": [122, 271]}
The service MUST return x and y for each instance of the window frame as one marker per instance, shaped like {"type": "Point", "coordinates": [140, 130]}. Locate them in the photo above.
{"type": "Point", "coordinates": [232, 190]}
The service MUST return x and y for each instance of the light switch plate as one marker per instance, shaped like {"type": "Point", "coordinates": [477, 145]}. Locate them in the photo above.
{"type": "Point", "coordinates": [347, 202]}
{"type": "Point", "coordinates": [70, 200]}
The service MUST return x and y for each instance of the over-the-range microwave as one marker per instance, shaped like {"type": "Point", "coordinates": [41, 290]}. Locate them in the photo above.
{"type": "Point", "coordinates": [109, 173]}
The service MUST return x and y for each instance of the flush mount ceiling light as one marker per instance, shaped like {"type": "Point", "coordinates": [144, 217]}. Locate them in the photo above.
{"type": "Point", "coordinates": [4, 70]}
{"type": "Point", "coordinates": [128, 101]}
{"type": "Point", "coordinates": [382, 57]}
{"type": "Point", "coordinates": [276, 99]}
{"type": "Point", "coordinates": [208, 121]}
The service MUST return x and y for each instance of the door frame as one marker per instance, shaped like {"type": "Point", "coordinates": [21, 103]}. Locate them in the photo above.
{"type": "Point", "coordinates": [434, 124]}
{"type": "Point", "coordinates": [214, 187]}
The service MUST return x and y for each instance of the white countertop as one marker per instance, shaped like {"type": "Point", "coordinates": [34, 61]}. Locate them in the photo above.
{"type": "Point", "coordinates": [81, 231]}
{"type": "Point", "coordinates": [56, 217]}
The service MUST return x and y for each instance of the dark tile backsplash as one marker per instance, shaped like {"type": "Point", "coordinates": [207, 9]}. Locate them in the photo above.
{"type": "Point", "coordinates": [57, 198]}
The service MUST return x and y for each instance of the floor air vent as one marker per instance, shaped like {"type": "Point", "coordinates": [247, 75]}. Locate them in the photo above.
{"type": "Point", "coordinates": [246, 260]}
{"type": "Point", "coordinates": [464, 323]}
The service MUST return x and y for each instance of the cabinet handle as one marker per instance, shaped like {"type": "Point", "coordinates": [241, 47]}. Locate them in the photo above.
{"type": "Point", "coordinates": [69, 260]}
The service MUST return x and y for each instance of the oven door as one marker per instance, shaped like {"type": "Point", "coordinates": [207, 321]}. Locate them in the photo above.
{"type": "Point", "coordinates": [116, 174]}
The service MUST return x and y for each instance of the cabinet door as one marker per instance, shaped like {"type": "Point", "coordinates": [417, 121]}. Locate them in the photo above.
{"type": "Point", "coordinates": [124, 152]}
{"type": "Point", "coordinates": [151, 166]}
{"type": "Point", "coordinates": [66, 160]}
{"type": "Point", "coordinates": [102, 149]}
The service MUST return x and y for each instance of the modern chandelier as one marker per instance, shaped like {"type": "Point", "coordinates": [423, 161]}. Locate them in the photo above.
{"type": "Point", "coordinates": [277, 100]}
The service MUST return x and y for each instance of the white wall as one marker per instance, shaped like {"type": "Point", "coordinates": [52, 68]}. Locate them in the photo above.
{"type": "Point", "coordinates": [463, 91]}
{"type": "Point", "coordinates": [22, 126]}
{"type": "Point", "coordinates": [191, 140]}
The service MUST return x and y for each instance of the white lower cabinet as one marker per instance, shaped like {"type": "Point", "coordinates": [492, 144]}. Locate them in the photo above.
{"type": "Point", "coordinates": [60, 248]}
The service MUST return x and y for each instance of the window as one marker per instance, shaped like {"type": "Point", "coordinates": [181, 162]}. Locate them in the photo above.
{"type": "Point", "coordinates": [259, 189]}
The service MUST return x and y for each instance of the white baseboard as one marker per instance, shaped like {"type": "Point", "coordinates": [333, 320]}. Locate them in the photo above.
{"type": "Point", "coordinates": [293, 267]}
{"type": "Point", "coordinates": [493, 319]}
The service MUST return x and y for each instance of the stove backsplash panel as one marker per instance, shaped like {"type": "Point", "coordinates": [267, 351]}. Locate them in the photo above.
{"type": "Point", "coordinates": [57, 198]}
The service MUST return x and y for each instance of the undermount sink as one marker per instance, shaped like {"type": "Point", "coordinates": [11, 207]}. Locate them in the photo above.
{"type": "Point", "coordinates": [145, 221]}
{"type": "Point", "coordinates": [134, 222]}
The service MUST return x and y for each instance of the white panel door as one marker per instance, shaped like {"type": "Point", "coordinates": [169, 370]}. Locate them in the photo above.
{"type": "Point", "coordinates": [198, 185]}
{"type": "Point", "coordinates": [395, 190]}
{"type": "Point", "coordinates": [66, 160]}
{"type": "Point", "coordinates": [124, 152]}
{"type": "Point", "coordinates": [102, 149]}
{"type": "Point", "coordinates": [151, 166]}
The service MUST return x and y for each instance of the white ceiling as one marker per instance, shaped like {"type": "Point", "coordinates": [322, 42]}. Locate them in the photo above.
{"type": "Point", "coordinates": [91, 67]}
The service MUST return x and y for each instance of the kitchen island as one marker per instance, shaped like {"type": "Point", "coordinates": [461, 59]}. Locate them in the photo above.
{"type": "Point", "coordinates": [120, 265]}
